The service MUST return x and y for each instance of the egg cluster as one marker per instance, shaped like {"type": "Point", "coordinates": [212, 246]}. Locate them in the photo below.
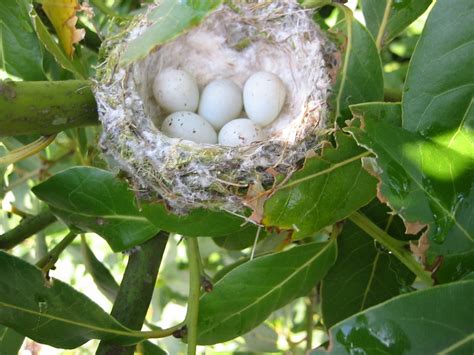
{"type": "Point", "coordinates": [219, 118]}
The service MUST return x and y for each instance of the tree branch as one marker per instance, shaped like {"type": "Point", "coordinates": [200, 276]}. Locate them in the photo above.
{"type": "Point", "coordinates": [27, 227]}
{"type": "Point", "coordinates": [43, 107]}
{"type": "Point", "coordinates": [136, 289]}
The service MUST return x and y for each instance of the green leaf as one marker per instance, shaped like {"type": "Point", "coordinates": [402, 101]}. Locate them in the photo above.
{"type": "Point", "coordinates": [228, 268]}
{"type": "Point", "coordinates": [169, 20]}
{"type": "Point", "coordinates": [439, 90]}
{"type": "Point", "coordinates": [100, 274]}
{"type": "Point", "coordinates": [94, 200]}
{"type": "Point", "coordinates": [431, 321]}
{"type": "Point", "coordinates": [52, 313]}
{"type": "Point", "coordinates": [197, 223]}
{"type": "Point", "coordinates": [455, 267]}
{"type": "Point", "coordinates": [402, 13]}
{"type": "Point", "coordinates": [241, 239]}
{"type": "Point", "coordinates": [148, 348]}
{"type": "Point", "coordinates": [360, 78]}
{"type": "Point", "coordinates": [248, 294]}
{"type": "Point", "coordinates": [423, 180]}
{"type": "Point", "coordinates": [261, 340]}
{"type": "Point", "coordinates": [328, 189]}
{"type": "Point", "coordinates": [10, 341]}
{"type": "Point", "coordinates": [53, 47]}
{"type": "Point", "coordinates": [20, 50]}
{"type": "Point", "coordinates": [440, 108]}
{"type": "Point", "coordinates": [364, 273]}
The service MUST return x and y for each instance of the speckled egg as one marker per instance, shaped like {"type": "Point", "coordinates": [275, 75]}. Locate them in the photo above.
{"type": "Point", "coordinates": [241, 131]}
{"type": "Point", "coordinates": [189, 126]}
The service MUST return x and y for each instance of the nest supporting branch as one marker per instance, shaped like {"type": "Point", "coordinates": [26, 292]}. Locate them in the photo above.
{"type": "Point", "coordinates": [43, 107]}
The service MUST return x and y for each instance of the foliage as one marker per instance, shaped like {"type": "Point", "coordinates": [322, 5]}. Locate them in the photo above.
{"type": "Point", "coordinates": [367, 248]}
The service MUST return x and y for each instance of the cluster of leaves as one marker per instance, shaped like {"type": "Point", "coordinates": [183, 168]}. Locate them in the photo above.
{"type": "Point", "coordinates": [374, 232]}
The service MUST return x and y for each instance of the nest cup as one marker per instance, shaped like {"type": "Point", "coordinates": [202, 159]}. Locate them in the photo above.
{"type": "Point", "coordinates": [233, 42]}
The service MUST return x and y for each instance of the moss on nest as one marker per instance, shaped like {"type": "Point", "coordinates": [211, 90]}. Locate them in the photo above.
{"type": "Point", "coordinates": [232, 42]}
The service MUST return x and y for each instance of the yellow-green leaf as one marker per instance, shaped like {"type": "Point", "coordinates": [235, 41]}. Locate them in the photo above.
{"type": "Point", "coordinates": [62, 14]}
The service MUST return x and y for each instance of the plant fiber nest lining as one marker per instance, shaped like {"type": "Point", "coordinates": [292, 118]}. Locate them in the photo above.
{"type": "Point", "coordinates": [231, 43]}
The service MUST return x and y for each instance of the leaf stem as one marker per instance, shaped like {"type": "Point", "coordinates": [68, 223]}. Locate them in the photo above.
{"type": "Point", "coordinates": [48, 261]}
{"type": "Point", "coordinates": [194, 293]}
{"type": "Point", "coordinates": [395, 246]}
{"type": "Point", "coordinates": [383, 25]}
{"type": "Point", "coordinates": [27, 227]}
{"type": "Point", "coordinates": [103, 8]}
{"type": "Point", "coordinates": [27, 151]}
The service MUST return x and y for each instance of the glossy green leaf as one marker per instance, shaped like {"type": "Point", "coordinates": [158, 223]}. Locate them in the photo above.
{"type": "Point", "coordinates": [431, 321]}
{"type": "Point", "coordinates": [360, 78]}
{"type": "Point", "coordinates": [198, 222]}
{"type": "Point", "coordinates": [53, 47]}
{"type": "Point", "coordinates": [94, 200]}
{"type": "Point", "coordinates": [20, 50]}
{"type": "Point", "coordinates": [100, 274]}
{"type": "Point", "coordinates": [424, 180]}
{"type": "Point", "coordinates": [52, 313]}
{"type": "Point", "coordinates": [248, 294]}
{"type": "Point", "coordinates": [325, 191]}
{"type": "Point", "coordinates": [169, 20]}
{"type": "Point", "coordinates": [402, 13]}
{"type": "Point", "coordinates": [455, 267]}
{"type": "Point", "coordinates": [10, 341]}
{"type": "Point", "coordinates": [228, 268]}
{"type": "Point", "coordinates": [364, 273]}
{"type": "Point", "coordinates": [439, 90]}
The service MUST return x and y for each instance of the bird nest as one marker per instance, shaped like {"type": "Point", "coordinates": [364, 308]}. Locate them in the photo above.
{"type": "Point", "coordinates": [233, 42]}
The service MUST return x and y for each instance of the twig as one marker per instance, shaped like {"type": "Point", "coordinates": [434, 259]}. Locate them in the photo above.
{"type": "Point", "coordinates": [193, 298]}
{"type": "Point", "coordinates": [48, 261]}
{"type": "Point", "coordinates": [383, 25]}
{"type": "Point", "coordinates": [309, 320]}
{"type": "Point", "coordinates": [26, 228]}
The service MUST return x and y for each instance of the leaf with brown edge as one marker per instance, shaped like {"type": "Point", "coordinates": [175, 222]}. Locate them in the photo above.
{"type": "Point", "coordinates": [429, 183]}
{"type": "Point", "coordinates": [255, 199]}
{"type": "Point", "coordinates": [328, 189]}
{"type": "Point", "coordinates": [62, 14]}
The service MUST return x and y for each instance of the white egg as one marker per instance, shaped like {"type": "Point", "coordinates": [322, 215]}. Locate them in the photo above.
{"type": "Point", "coordinates": [189, 126]}
{"type": "Point", "coordinates": [264, 96]}
{"type": "Point", "coordinates": [241, 131]}
{"type": "Point", "coordinates": [176, 90]}
{"type": "Point", "coordinates": [221, 102]}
